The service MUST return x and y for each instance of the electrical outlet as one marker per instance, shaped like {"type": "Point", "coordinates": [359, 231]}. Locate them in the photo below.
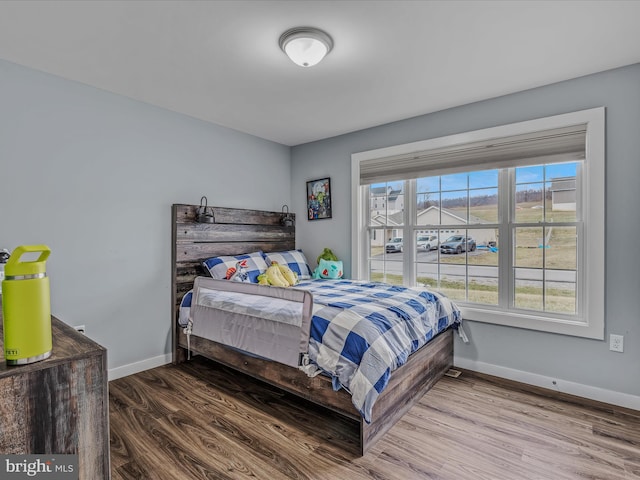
{"type": "Point", "coordinates": [81, 329]}
{"type": "Point", "coordinates": [616, 343]}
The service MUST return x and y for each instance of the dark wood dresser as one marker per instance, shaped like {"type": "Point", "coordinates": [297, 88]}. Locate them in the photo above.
{"type": "Point", "coordinates": [58, 405]}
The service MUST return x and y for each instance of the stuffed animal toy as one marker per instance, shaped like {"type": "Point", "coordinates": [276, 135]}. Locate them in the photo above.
{"type": "Point", "coordinates": [327, 254]}
{"type": "Point", "coordinates": [239, 273]}
{"type": "Point", "coordinates": [328, 269]}
{"type": "Point", "coordinates": [328, 266]}
{"type": "Point", "coordinates": [278, 276]}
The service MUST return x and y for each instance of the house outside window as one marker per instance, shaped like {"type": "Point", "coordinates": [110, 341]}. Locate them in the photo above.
{"type": "Point", "coordinates": [518, 216]}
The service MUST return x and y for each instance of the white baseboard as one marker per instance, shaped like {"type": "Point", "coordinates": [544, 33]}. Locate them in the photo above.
{"type": "Point", "coordinates": [564, 386]}
{"type": "Point", "coordinates": [140, 366]}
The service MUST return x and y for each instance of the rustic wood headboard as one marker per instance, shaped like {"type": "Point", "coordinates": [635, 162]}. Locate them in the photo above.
{"type": "Point", "coordinates": [234, 232]}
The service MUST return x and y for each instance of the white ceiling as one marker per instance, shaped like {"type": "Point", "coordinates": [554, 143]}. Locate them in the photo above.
{"type": "Point", "coordinates": [220, 61]}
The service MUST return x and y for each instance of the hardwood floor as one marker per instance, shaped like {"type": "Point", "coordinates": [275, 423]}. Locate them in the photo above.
{"type": "Point", "coordinates": [202, 421]}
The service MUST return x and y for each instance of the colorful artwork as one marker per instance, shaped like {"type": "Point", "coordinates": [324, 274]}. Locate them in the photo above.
{"type": "Point", "coordinates": [319, 199]}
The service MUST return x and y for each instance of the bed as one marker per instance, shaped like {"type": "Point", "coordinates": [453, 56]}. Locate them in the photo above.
{"type": "Point", "coordinates": [237, 231]}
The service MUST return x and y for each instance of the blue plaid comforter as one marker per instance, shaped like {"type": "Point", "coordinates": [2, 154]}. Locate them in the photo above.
{"type": "Point", "coordinates": [361, 331]}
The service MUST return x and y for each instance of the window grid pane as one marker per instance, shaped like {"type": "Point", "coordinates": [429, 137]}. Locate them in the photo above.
{"type": "Point", "coordinates": [386, 204]}
{"type": "Point", "coordinates": [545, 255]}
{"type": "Point", "coordinates": [385, 258]}
{"type": "Point", "coordinates": [465, 263]}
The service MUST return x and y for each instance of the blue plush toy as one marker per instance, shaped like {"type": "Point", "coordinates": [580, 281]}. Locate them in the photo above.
{"type": "Point", "coordinates": [330, 269]}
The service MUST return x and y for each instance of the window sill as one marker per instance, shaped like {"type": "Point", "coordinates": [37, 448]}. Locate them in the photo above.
{"type": "Point", "coordinates": [575, 328]}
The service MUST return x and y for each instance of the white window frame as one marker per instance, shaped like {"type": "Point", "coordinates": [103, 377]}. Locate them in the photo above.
{"type": "Point", "coordinates": [589, 322]}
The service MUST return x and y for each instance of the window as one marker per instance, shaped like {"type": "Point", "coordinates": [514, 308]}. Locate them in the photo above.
{"type": "Point", "coordinates": [507, 221]}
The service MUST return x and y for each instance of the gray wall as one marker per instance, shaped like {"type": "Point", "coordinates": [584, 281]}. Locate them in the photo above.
{"type": "Point", "coordinates": [587, 362]}
{"type": "Point", "coordinates": [93, 175]}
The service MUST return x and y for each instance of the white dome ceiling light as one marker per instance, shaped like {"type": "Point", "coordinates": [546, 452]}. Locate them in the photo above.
{"type": "Point", "coordinates": [305, 46]}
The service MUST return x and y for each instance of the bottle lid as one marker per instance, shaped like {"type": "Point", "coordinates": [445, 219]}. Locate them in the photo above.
{"type": "Point", "coordinates": [16, 267]}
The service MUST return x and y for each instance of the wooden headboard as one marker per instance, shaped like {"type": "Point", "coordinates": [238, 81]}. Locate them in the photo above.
{"type": "Point", "coordinates": [234, 232]}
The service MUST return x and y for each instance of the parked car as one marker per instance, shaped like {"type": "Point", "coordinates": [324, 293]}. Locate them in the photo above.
{"type": "Point", "coordinates": [394, 245]}
{"type": "Point", "coordinates": [458, 244]}
{"type": "Point", "coordinates": [427, 242]}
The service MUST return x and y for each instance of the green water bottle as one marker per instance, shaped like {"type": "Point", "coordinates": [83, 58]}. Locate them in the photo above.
{"type": "Point", "coordinates": [26, 307]}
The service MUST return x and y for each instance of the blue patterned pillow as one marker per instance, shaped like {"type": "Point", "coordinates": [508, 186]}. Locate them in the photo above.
{"type": "Point", "coordinates": [185, 307]}
{"type": "Point", "coordinates": [218, 266]}
{"type": "Point", "coordinates": [294, 259]}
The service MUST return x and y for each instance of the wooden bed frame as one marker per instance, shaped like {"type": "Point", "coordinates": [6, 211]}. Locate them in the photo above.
{"type": "Point", "coordinates": [238, 231]}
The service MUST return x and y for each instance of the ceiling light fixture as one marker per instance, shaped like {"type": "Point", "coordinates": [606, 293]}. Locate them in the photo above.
{"type": "Point", "coordinates": [305, 46]}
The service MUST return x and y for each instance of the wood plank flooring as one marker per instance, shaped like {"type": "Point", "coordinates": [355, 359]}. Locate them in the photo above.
{"type": "Point", "coordinates": [202, 421]}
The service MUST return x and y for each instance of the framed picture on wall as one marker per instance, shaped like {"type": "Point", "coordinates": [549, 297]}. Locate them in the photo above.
{"type": "Point", "coordinates": [319, 199]}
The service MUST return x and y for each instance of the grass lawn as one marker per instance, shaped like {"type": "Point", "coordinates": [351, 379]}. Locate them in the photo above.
{"type": "Point", "coordinates": [526, 297]}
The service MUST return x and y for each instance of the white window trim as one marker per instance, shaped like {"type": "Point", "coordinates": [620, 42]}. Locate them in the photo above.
{"type": "Point", "coordinates": [592, 258]}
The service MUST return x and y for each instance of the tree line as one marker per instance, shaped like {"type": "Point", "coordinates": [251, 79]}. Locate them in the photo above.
{"type": "Point", "coordinates": [522, 196]}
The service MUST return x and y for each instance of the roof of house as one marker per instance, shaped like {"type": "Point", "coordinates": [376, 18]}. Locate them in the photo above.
{"type": "Point", "coordinates": [388, 191]}
{"type": "Point", "coordinates": [563, 183]}
{"type": "Point", "coordinates": [396, 218]}
{"type": "Point", "coordinates": [455, 215]}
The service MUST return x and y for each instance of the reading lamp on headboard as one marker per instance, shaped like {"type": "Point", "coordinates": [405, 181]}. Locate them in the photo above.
{"type": "Point", "coordinates": [204, 214]}
{"type": "Point", "coordinates": [286, 219]}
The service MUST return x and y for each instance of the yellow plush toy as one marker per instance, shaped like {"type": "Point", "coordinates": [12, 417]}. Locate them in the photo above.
{"type": "Point", "coordinates": [278, 276]}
